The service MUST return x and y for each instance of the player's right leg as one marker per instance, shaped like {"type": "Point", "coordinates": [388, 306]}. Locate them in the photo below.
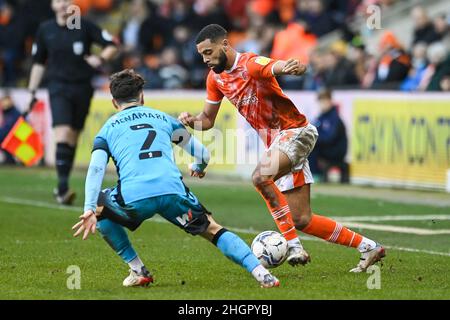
{"type": "Point", "coordinates": [296, 188]}
{"type": "Point", "coordinates": [276, 163]}
{"type": "Point", "coordinates": [234, 248]}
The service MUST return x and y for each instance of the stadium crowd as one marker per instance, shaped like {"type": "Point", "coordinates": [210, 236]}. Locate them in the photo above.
{"type": "Point", "coordinates": [156, 40]}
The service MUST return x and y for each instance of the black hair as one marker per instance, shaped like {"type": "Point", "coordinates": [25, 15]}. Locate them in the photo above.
{"type": "Point", "coordinates": [212, 32]}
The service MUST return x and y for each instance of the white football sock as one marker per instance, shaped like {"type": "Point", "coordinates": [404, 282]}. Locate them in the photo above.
{"type": "Point", "coordinates": [136, 264]}
{"type": "Point", "coordinates": [294, 243]}
{"type": "Point", "coordinates": [259, 272]}
{"type": "Point", "coordinates": [366, 245]}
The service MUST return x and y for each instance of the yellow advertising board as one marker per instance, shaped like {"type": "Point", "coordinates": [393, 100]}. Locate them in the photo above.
{"type": "Point", "coordinates": [401, 142]}
{"type": "Point", "coordinates": [102, 109]}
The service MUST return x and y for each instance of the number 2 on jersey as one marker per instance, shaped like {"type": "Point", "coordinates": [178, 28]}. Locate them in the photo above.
{"type": "Point", "coordinates": [148, 142]}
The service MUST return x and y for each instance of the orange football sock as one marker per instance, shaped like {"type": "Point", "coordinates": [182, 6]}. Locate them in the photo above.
{"type": "Point", "coordinates": [332, 231]}
{"type": "Point", "coordinates": [279, 209]}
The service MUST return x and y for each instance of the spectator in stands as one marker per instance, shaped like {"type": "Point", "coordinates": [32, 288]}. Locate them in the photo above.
{"type": "Point", "coordinates": [149, 69]}
{"type": "Point", "coordinates": [340, 71]}
{"type": "Point", "coordinates": [129, 34]}
{"type": "Point", "coordinates": [172, 74]}
{"type": "Point", "coordinates": [12, 36]}
{"type": "Point", "coordinates": [155, 32]}
{"type": "Point", "coordinates": [424, 30]}
{"type": "Point", "coordinates": [362, 61]}
{"type": "Point", "coordinates": [445, 82]}
{"type": "Point", "coordinates": [261, 33]}
{"type": "Point", "coordinates": [361, 9]}
{"type": "Point", "coordinates": [331, 146]}
{"type": "Point", "coordinates": [179, 12]}
{"type": "Point", "coordinates": [86, 6]}
{"type": "Point", "coordinates": [418, 68]}
{"type": "Point", "coordinates": [286, 45]}
{"type": "Point", "coordinates": [341, 10]}
{"type": "Point", "coordinates": [236, 10]}
{"type": "Point", "coordinates": [319, 21]}
{"type": "Point", "coordinates": [439, 65]}
{"type": "Point", "coordinates": [393, 64]}
{"type": "Point", "coordinates": [188, 56]}
{"type": "Point", "coordinates": [251, 42]}
{"type": "Point", "coordinates": [314, 79]}
{"type": "Point", "coordinates": [8, 118]}
{"type": "Point", "coordinates": [441, 26]}
{"type": "Point", "coordinates": [208, 12]}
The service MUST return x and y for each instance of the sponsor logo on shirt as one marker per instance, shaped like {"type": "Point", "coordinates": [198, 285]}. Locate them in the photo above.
{"type": "Point", "coordinates": [249, 99]}
{"type": "Point", "coordinates": [262, 61]}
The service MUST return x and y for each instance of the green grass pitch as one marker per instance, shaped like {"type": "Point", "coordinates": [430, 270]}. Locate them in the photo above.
{"type": "Point", "coordinates": [37, 247]}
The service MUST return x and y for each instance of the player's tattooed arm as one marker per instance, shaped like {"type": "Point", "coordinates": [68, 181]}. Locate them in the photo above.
{"type": "Point", "coordinates": [290, 67]}
{"type": "Point", "coordinates": [203, 121]}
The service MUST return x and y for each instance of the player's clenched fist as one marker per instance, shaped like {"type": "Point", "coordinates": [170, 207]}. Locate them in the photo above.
{"type": "Point", "coordinates": [294, 67]}
{"type": "Point", "coordinates": [186, 118]}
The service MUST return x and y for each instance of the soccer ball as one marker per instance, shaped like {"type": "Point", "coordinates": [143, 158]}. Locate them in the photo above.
{"type": "Point", "coordinates": [271, 248]}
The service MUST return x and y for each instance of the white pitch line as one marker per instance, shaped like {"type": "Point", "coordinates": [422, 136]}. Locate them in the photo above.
{"type": "Point", "coordinates": [159, 219]}
{"type": "Point", "coordinates": [393, 218]}
{"type": "Point", "coordinates": [39, 204]}
{"type": "Point", "coordinates": [396, 229]}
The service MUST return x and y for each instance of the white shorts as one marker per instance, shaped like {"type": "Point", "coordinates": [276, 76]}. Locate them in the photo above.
{"type": "Point", "coordinates": [297, 144]}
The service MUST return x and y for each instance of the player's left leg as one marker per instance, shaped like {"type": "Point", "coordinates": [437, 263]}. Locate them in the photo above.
{"type": "Point", "coordinates": [264, 181]}
{"type": "Point", "coordinates": [330, 230]}
{"type": "Point", "coordinates": [111, 222]}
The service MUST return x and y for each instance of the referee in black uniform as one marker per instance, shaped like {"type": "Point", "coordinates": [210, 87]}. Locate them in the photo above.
{"type": "Point", "coordinates": [66, 53]}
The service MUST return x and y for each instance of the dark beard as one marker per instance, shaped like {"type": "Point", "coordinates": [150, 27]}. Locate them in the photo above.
{"type": "Point", "coordinates": [222, 63]}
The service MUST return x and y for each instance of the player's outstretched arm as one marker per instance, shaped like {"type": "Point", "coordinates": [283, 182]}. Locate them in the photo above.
{"type": "Point", "coordinates": [203, 121]}
{"type": "Point", "coordinates": [195, 148]}
{"type": "Point", "coordinates": [94, 179]}
{"type": "Point", "coordinates": [290, 67]}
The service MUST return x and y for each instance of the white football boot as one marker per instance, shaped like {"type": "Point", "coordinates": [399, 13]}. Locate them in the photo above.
{"type": "Point", "coordinates": [138, 279]}
{"type": "Point", "coordinates": [269, 281]}
{"type": "Point", "coordinates": [297, 256]}
{"type": "Point", "coordinates": [369, 258]}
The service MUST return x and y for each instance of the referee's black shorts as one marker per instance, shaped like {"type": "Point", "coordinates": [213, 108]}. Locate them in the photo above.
{"type": "Point", "coordinates": [70, 103]}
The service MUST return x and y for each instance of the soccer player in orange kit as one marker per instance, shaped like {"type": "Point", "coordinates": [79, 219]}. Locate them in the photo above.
{"type": "Point", "coordinates": [283, 176]}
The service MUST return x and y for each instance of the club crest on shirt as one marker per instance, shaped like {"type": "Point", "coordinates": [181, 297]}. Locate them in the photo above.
{"type": "Point", "coordinates": [244, 75]}
{"type": "Point", "coordinates": [262, 61]}
{"type": "Point", "coordinates": [78, 48]}
{"type": "Point", "coordinates": [219, 81]}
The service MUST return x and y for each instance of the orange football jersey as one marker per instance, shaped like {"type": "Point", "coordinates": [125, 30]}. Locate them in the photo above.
{"type": "Point", "coordinates": [253, 89]}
